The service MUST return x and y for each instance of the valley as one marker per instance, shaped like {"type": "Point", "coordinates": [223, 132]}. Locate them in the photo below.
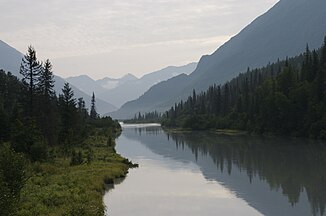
{"type": "Point", "coordinates": [236, 125]}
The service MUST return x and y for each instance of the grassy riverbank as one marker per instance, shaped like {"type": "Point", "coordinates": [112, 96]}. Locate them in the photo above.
{"type": "Point", "coordinates": [58, 188]}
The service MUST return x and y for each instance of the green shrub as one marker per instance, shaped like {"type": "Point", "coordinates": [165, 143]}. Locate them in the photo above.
{"type": "Point", "coordinates": [77, 158]}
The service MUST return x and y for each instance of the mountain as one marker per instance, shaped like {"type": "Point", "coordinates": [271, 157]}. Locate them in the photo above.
{"type": "Point", "coordinates": [132, 89]}
{"type": "Point", "coordinates": [145, 103]}
{"type": "Point", "coordinates": [102, 107]}
{"type": "Point", "coordinates": [10, 60]}
{"type": "Point", "coordinates": [280, 32]}
{"type": "Point", "coordinates": [109, 83]}
{"type": "Point", "coordinates": [86, 84]}
{"type": "Point", "coordinates": [99, 87]}
{"type": "Point", "coordinates": [128, 87]}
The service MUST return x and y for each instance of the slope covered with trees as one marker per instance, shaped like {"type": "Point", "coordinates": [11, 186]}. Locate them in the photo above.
{"type": "Point", "coordinates": [43, 136]}
{"type": "Point", "coordinates": [281, 31]}
{"type": "Point", "coordinates": [287, 97]}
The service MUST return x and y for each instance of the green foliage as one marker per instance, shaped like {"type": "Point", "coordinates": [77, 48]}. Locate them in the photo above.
{"type": "Point", "coordinates": [76, 158]}
{"type": "Point", "coordinates": [150, 117]}
{"type": "Point", "coordinates": [46, 80]}
{"type": "Point", "coordinates": [12, 179]}
{"type": "Point", "coordinates": [196, 122]}
{"type": "Point", "coordinates": [110, 142]}
{"type": "Point", "coordinates": [57, 188]}
{"type": "Point", "coordinates": [47, 130]}
{"type": "Point", "coordinates": [89, 156]}
{"type": "Point", "coordinates": [4, 125]}
{"type": "Point", "coordinates": [30, 69]}
{"type": "Point", "coordinates": [28, 139]}
{"type": "Point", "coordinates": [287, 97]}
{"type": "Point", "coordinates": [93, 114]}
{"type": "Point", "coordinates": [68, 112]}
{"type": "Point", "coordinates": [104, 122]}
{"type": "Point", "coordinates": [11, 99]}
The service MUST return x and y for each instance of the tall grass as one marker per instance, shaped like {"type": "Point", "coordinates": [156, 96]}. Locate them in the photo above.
{"type": "Point", "coordinates": [57, 188]}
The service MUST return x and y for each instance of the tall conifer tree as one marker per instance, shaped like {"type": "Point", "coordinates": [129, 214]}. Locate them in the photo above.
{"type": "Point", "coordinates": [93, 113]}
{"type": "Point", "coordinates": [30, 69]}
{"type": "Point", "coordinates": [46, 80]}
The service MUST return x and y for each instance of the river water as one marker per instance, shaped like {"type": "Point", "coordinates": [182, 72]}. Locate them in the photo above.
{"type": "Point", "coordinates": [203, 173]}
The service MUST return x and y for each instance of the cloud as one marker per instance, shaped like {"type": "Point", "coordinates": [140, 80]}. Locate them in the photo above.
{"type": "Point", "coordinates": [70, 28]}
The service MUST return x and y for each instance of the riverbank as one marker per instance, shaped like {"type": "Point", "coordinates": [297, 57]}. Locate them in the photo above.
{"type": "Point", "coordinates": [195, 163]}
{"type": "Point", "coordinates": [235, 132]}
{"type": "Point", "coordinates": [229, 132]}
{"type": "Point", "coordinates": [59, 188]}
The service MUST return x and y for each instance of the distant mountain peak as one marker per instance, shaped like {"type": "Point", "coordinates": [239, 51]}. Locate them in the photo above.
{"type": "Point", "coordinates": [129, 76]}
{"type": "Point", "coordinates": [83, 77]}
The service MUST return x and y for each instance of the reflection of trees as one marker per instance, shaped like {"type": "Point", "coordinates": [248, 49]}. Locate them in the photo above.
{"type": "Point", "coordinates": [289, 165]}
{"type": "Point", "coordinates": [149, 130]}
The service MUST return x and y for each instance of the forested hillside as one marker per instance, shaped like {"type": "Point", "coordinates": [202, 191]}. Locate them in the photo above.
{"type": "Point", "coordinates": [286, 97]}
{"type": "Point", "coordinates": [281, 31]}
{"type": "Point", "coordinates": [45, 139]}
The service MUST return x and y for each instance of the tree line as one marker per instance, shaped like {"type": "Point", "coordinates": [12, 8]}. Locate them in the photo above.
{"type": "Point", "coordinates": [33, 119]}
{"type": "Point", "coordinates": [147, 117]}
{"type": "Point", "coordinates": [286, 97]}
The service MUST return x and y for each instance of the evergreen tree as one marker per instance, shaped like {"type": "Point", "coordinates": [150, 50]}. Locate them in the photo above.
{"type": "Point", "coordinates": [321, 74]}
{"type": "Point", "coordinates": [93, 113]}
{"type": "Point", "coordinates": [194, 101]}
{"type": "Point", "coordinates": [81, 107]}
{"type": "Point", "coordinates": [47, 108]}
{"type": "Point", "coordinates": [30, 69]}
{"type": "Point", "coordinates": [46, 80]}
{"type": "Point", "coordinates": [68, 110]}
{"type": "Point", "coordinates": [288, 101]}
{"type": "Point", "coordinates": [226, 98]}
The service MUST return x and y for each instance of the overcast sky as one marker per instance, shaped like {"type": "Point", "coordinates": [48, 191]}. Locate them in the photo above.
{"type": "Point", "coordinates": [114, 37]}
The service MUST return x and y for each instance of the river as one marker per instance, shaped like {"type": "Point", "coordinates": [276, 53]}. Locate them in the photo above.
{"type": "Point", "coordinates": [203, 173]}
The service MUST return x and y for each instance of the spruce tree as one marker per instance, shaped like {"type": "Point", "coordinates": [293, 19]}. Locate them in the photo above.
{"type": "Point", "coordinates": [93, 113]}
{"type": "Point", "coordinates": [30, 69]}
{"type": "Point", "coordinates": [81, 107]}
{"type": "Point", "coordinates": [68, 110]}
{"type": "Point", "coordinates": [46, 80]}
{"type": "Point", "coordinates": [48, 113]}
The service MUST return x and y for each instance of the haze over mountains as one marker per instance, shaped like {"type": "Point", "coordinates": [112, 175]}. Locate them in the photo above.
{"type": "Point", "coordinates": [111, 83]}
{"type": "Point", "coordinates": [128, 87]}
{"type": "Point", "coordinates": [88, 85]}
{"type": "Point", "coordinates": [10, 60]}
{"type": "Point", "coordinates": [108, 91]}
{"type": "Point", "coordinates": [280, 32]}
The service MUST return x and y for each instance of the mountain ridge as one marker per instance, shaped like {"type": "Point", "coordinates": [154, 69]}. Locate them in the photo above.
{"type": "Point", "coordinates": [276, 34]}
{"type": "Point", "coordinates": [10, 60]}
{"type": "Point", "coordinates": [127, 88]}
{"type": "Point", "coordinates": [132, 90]}
{"type": "Point", "coordinates": [9, 57]}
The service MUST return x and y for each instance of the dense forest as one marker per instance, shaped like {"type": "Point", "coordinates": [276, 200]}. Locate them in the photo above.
{"type": "Point", "coordinates": [286, 98]}
{"type": "Point", "coordinates": [36, 126]}
{"type": "Point", "coordinates": [148, 117]}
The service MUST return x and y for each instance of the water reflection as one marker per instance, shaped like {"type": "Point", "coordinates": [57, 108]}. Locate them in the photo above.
{"type": "Point", "coordinates": [276, 176]}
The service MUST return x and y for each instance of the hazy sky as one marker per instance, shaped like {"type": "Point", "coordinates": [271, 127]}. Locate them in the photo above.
{"type": "Point", "coordinates": [114, 37]}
